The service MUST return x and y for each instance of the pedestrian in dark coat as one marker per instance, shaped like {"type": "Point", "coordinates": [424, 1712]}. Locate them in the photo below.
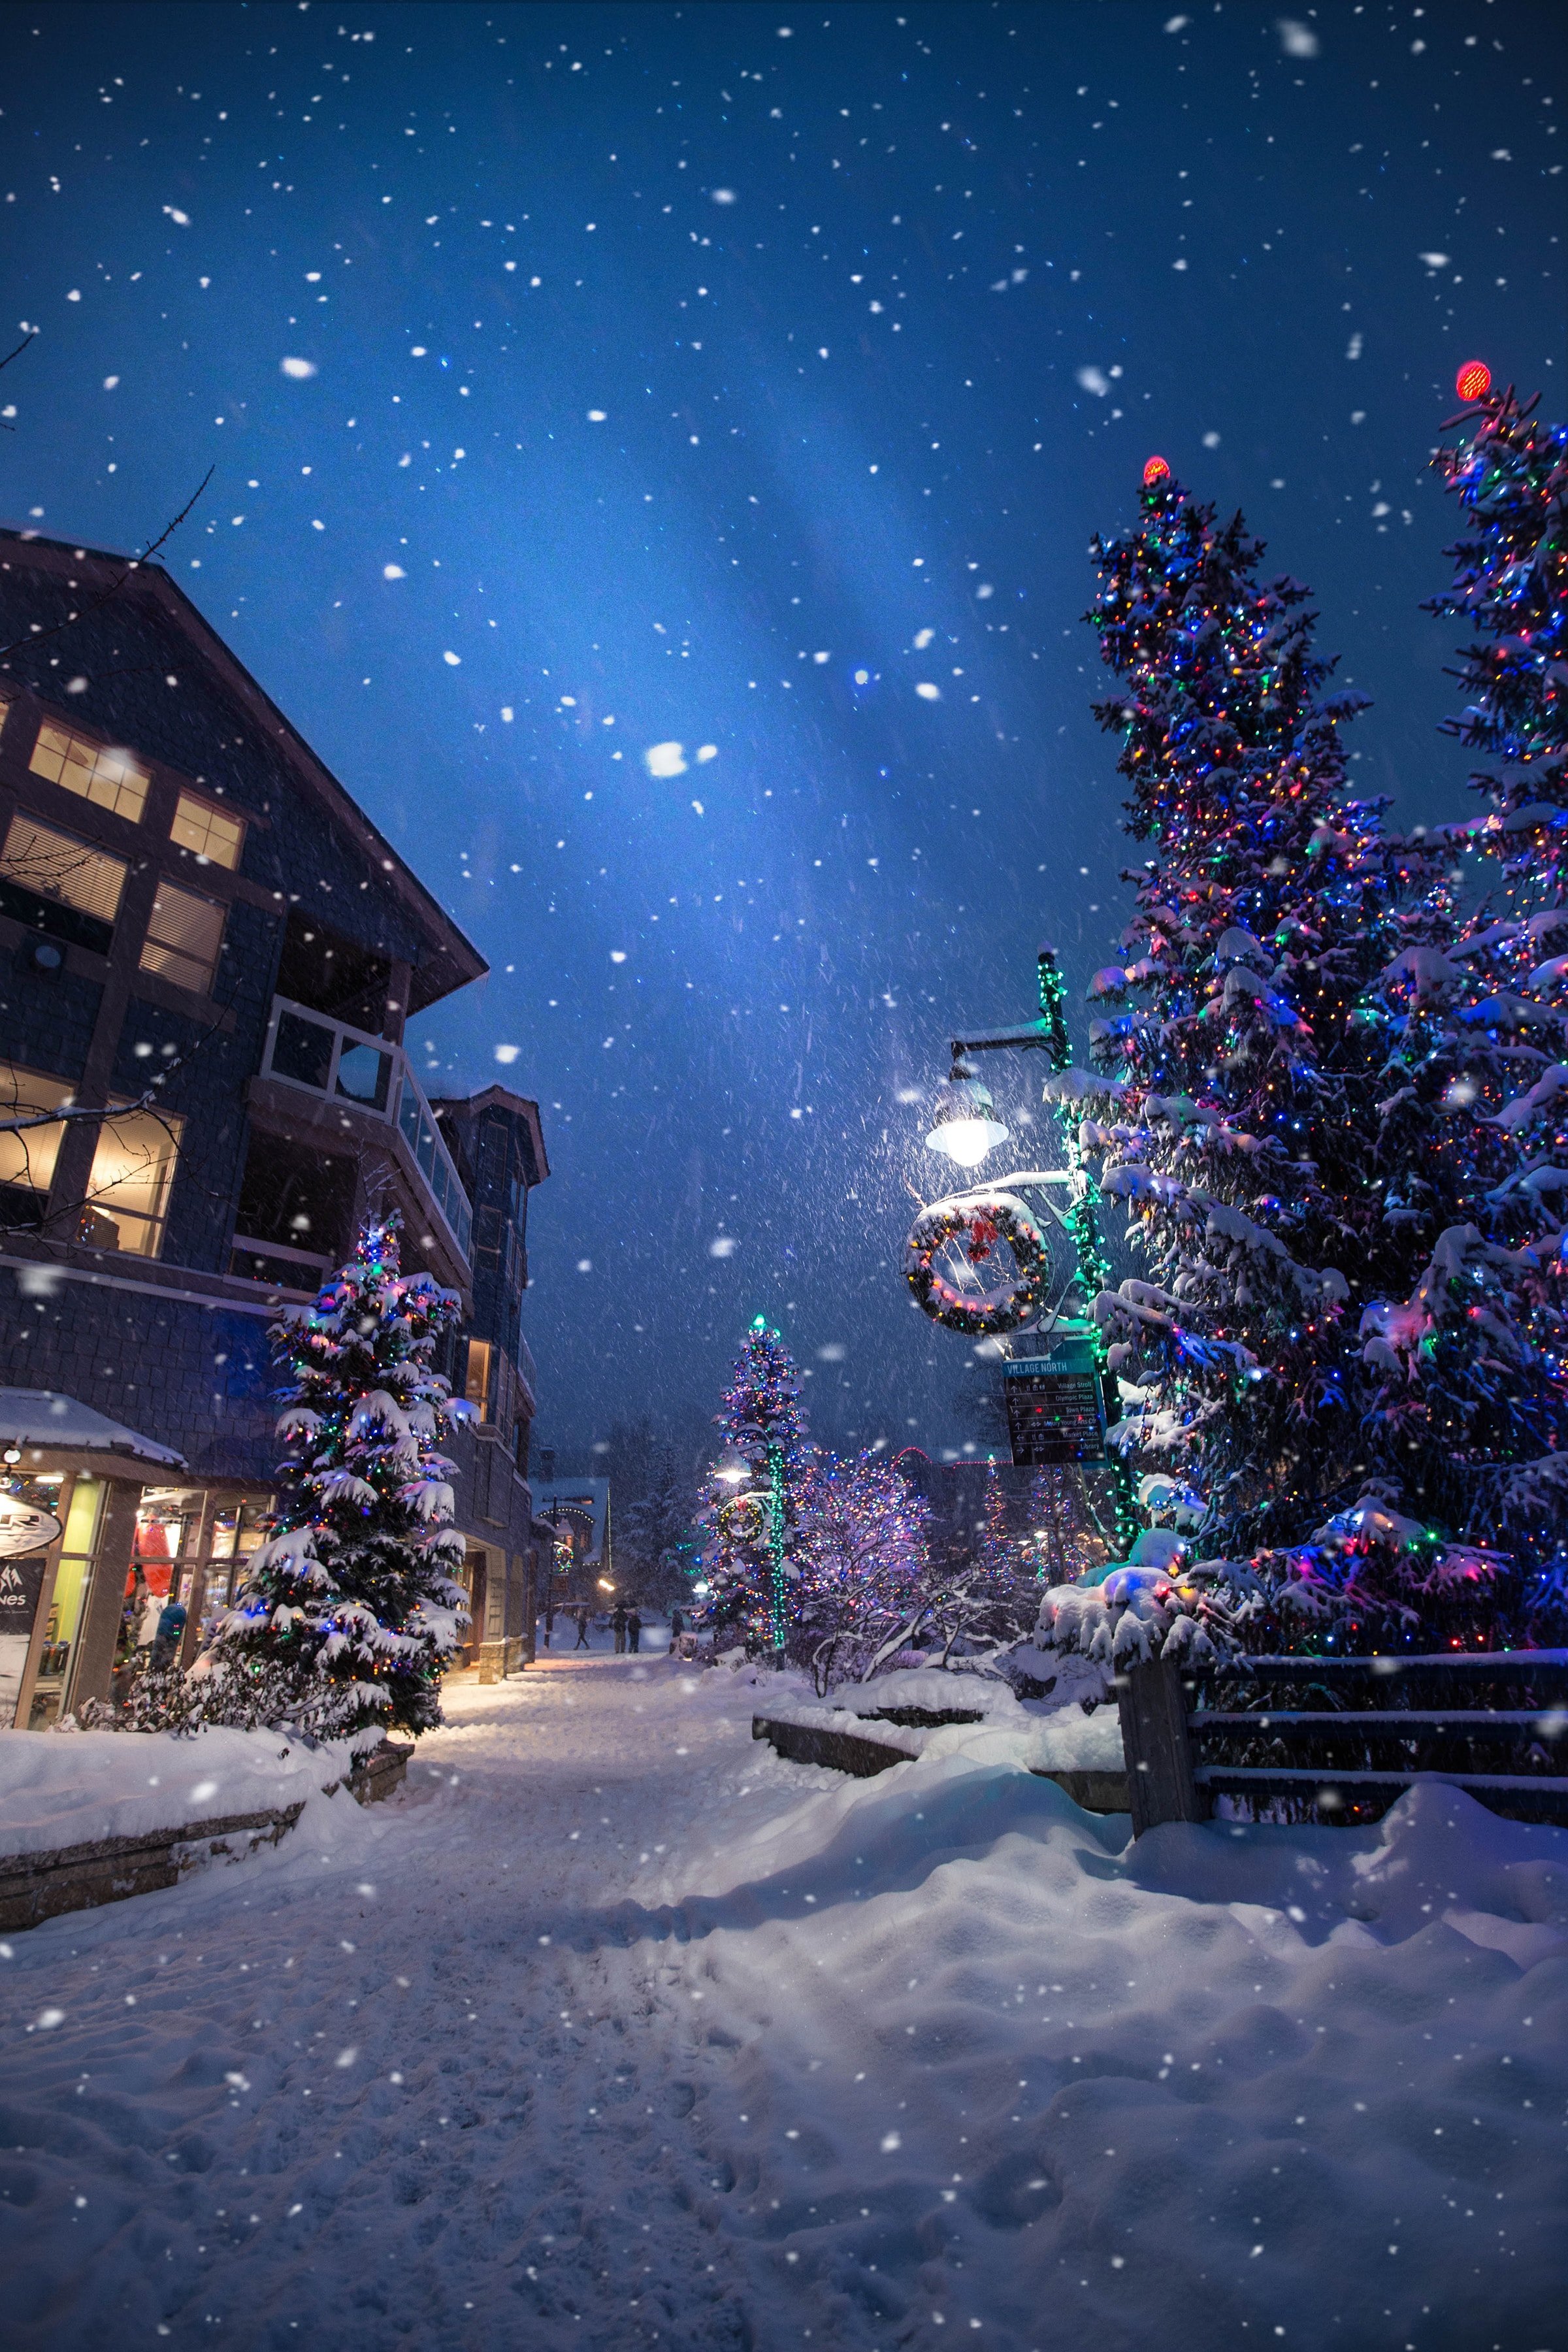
{"type": "Point", "coordinates": [581, 1641]}
{"type": "Point", "coordinates": [619, 1621]}
{"type": "Point", "coordinates": [634, 1631]}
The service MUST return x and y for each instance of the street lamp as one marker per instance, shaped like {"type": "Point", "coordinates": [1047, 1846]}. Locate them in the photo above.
{"type": "Point", "coordinates": [1067, 1394]}
{"type": "Point", "coordinates": [965, 1128]}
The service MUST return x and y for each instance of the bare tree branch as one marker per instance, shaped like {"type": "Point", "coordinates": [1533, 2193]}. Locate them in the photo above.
{"type": "Point", "coordinates": [133, 563]}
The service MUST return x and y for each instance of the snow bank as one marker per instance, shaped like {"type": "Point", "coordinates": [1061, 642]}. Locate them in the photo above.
{"type": "Point", "coordinates": [1048, 1735]}
{"type": "Point", "coordinates": [614, 2029]}
{"type": "Point", "coordinates": [57, 1789]}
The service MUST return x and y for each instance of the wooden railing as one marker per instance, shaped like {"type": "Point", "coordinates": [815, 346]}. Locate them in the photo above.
{"type": "Point", "coordinates": [1339, 1739]}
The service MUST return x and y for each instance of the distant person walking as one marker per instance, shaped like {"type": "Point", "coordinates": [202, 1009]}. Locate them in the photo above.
{"type": "Point", "coordinates": [634, 1632]}
{"type": "Point", "coordinates": [619, 1621]}
{"type": "Point", "coordinates": [677, 1627]}
{"type": "Point", "coordinates": [582, 1641]}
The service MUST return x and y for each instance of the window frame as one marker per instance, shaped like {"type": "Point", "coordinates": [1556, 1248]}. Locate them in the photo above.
{"type": "Point", "coordinates": [179, 954]}
{"type": "Point", "coordinates": [481, 1353]}
{"type": "Point", "coordinates": [117, 785]}
{"type": "Point", "coordinates": [186, 798]}
{"type": "Point", "coordinates": [49, 897]}
{"type": "Point", "coordinates": [153, 1222]}
{"type": "Point", "coordinates": [15, 1074]}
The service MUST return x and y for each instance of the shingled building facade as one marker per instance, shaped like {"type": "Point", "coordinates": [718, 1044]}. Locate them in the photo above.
{"type": "Point", "coordinates": [207, 946]}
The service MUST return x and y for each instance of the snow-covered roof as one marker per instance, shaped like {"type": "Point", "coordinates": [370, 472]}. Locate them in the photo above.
{"type": "Point", "coordinates": [46, 1417]}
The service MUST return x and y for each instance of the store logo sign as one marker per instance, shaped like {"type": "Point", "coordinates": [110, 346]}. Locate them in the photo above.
{"type": "Point", "coordinates": [23, 1530]}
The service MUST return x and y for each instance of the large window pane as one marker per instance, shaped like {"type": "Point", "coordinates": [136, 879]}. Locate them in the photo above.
{"type": "Point", "coordinates": [111, 779]}
{"type": "Point", "coordinates": [184, 935]}
{"type": "Point", "coordinates": [28, 1157]}
{"type": "Point", "coordinates": [128, 1191]}
{"type": "Point", "coordinates": [477, 1385]}
{"type": "Point", "coordinates": [302, 1050]}
{"type": "Point", "coordinates": [364, 1075]}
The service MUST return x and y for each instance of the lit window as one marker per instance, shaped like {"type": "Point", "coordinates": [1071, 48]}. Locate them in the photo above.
{"type": "Point", "coordinates": [477, 1388]}
{"type": "Point", "coordinates": [52, 866]}
{"type": "Point", "coordinates": [113, 780]}
{"type": "Point", "coordinates": [184, 935]}
{"type": "Point", "coordinates": [207, 832]}
{"type": "Point", "coordinates": [27, 1157]}
{"type": "Point", "coordinates": [128, 1191]}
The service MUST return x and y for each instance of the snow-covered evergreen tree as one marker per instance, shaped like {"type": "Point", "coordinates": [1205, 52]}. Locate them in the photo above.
{"type": "Point", "coordinates": [1469, 1421]}
{"type": "Point", "coordinates": [1510, 472]}
{"type": "Point", "coordinates": [656, 1532]}
{"type": "Point", "coordinates": [1235, 1084]}
{"type": "Point", "coordinates": [863, 1588]}
{"type": "Point", "coordinates": [349, 1606]}
{"type": "Point", "coordinates": [752, 1511]}
{"type": "Point", "coordinates": [1422, 1459]}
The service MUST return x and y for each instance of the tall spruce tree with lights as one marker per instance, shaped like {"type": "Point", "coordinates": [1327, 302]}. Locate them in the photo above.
{"type": "Point", "coordinates": [1235, 1069]}
{"type": "Point", "coordinates": [1470, 1414]}
{"type": "Point", "coordinates": [751, 1514]}
{"type": "Point", "coordinates": [349, 1614]}
{"type": "Point", "coordinates": [1509, 473]}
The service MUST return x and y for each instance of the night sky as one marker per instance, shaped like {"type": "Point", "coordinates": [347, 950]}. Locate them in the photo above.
{"type": "Point", "coordinates": [747, 382]}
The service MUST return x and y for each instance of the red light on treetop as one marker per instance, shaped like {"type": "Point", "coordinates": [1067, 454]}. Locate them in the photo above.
{"type": "Point", "coordinates": [1156, 470]}
{"type": "Point", "coordinates": [1474, 379]}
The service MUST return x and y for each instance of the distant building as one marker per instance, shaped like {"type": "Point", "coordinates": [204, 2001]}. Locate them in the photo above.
{"type": "Point", "coordinates": [577, 1513]}
{"type": "Point", "coordinates": [185, 888]}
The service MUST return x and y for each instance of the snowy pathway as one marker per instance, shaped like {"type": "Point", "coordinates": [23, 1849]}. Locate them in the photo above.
{"type": "Point", "coordinates": [614, 2031]}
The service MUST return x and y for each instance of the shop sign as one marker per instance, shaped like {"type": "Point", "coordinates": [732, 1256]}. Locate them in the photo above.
{"type": "Point", "coordinates": [24, 1527]}
{"type": "Point", "coordinates": [21, 1582]}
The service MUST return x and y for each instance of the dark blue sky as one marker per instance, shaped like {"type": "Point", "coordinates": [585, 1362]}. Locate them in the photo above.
{"type": "Point", "coordinates": [582, 380]}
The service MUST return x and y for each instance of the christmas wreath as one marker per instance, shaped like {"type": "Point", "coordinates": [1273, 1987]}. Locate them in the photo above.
{"type": "Point", "coordinates": [977, 1223]}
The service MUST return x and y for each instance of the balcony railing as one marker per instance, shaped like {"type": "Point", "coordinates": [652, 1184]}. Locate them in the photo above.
{"type": "Point", "coordinates": [310, 1050]}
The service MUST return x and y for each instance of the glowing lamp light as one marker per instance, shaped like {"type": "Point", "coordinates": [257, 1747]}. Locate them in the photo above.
{"type": "Point", "coordinates": [1156, 470]}
{"type": "Point", "coordinates": [965, 1130]}
{"type": "Point", "coordinates": [1474, 379]}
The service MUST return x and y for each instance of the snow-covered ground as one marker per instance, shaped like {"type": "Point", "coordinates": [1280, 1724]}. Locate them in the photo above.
{"type": "Point", "coordinates": [614, 2030]}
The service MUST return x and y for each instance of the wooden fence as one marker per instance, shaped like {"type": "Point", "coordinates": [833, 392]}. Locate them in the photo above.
{"type": "Point", "coordinates": [1339, 1739]}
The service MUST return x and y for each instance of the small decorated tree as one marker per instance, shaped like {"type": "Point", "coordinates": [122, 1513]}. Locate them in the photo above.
{"type": "Point", "coordinates": [349, 1615]}
{"type": "Point", "coordinates": [752, 1511]}
{"type": "Point", "coordinates": [863, 1588]}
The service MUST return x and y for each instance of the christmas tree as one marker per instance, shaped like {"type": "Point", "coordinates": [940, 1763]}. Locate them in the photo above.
{"type": "Point", "coordinates": [1469, 1421]}
{"type": "Point", "coordinates": [862, 1592]}
{"type": "Point", "coordinates": [1235, 1079]}
{"type": "Point", "coordinates": [752, 1508]}
{"type": "Point", "coordinates": [349, 1611]}
{"type": "Point", "coordinates": [1510, 474]}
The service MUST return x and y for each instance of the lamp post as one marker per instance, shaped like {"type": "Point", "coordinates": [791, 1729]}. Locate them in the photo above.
{"type": "Point", "coordinates": [967, 1130]}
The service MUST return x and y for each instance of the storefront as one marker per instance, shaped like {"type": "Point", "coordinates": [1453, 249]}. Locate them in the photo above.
{"type": "Point", "coordinates": [101, 1554]}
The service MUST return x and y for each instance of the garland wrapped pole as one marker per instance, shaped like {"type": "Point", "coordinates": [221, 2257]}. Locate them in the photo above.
{"type": "Point", "coordinates": [776, 1543]}
{"type": "Point", "coordinates": [1093, 1266]}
